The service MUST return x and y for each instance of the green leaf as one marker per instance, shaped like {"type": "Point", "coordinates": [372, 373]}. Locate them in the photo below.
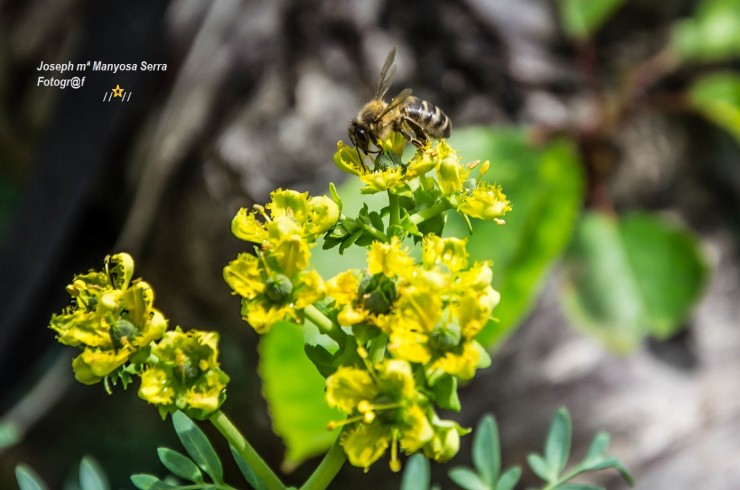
{"type": "Point", "coordinates": [581, 18]}
{"type": "Point", "coordinates": [579, 486]}
{"type": "Point", "coordinates": [294, 391]}
{"type": "Point", "coordinates": [540, 468]}
{"type": "Point", "coordinates": [545, 187]}
{"type": "Point", "coordinates": [180, 465]}
{"type": "Point", "coordinates": [712, 34]}
{"type": "Point", "coordinates": [9, 435]}
{"type": "Point", "coordinates": [246, 470]}
{"type": "Point", "coordinates": [416, 473]}
{"type": "Point", "coordinates": [28, 479]}
{"type": "Point", "coordinates": [603, 464]}
{"type": "Point", "coordinates": [486, 450]}
{"type": "Point", "coordinates": [598, 446]}
{"type": "Point", "coordinates": [150, 482]}
{"type": "Point", "coordinates": [630, 278]}
{"type": "Point", "coordinates": [467, 479]}
{"type": "Point", "coordinates": [445, 393]}
{"type": "Point", "coordinates": [198, 447]}
{"type": "Point", "coordinates": [509, 479]}
{"type": "Point", "coordinates": [92, 476]}
{"type": "Point", "coordinates": [557, 444]}
{"type": "Point", "coordinates": [717, 97]}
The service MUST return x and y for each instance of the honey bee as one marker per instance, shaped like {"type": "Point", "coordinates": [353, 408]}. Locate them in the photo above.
{"type": "Point", "coordinates": [415, 119]}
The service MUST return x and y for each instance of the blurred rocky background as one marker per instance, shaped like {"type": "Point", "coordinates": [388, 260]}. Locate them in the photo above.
{"type": "Point", "coordinates": [255, 96]}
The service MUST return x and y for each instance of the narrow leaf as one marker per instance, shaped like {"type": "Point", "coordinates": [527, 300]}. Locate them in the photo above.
{"type": "Point", "coordinates": [416, 474]}
{"type": "Point", "coordinates": [557, 445]}
{"type": "Point", "coordinates": [150, 482]}
{"type": "Point", "coordinates": [509, 479]}
{"type": "Point", "coordinates": [579, 486]}
{"type": "Point", "coordinates": [603, 464]}
{"type": "Point", "coordinates": [92, 476]}
{"type": "Point", "coordinates": [180, 465]}
{"type": "Point", "coordinates": [197, 445]}
{"type": "Point", "coordinates": [598, 446]}
{"type": "Point", "coordinates": [486, 450]}
{"type": "Point", "coordinates": [28, 479]}
{"type": "Point", "coordinates": [467, 479]}
{"type": "Point", "coordinates": [540, 468]}
{"type": "Point", "coordinates": [246, 470]}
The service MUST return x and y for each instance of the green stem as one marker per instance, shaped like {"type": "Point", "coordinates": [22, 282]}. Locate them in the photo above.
{"type": "Point", "coordinates": [323, 322]}
{"type": "Point", "coordinates": [430, 212]}
{"type": "Point", "coordinates": [246, 451]}
{"type": "Point", "coordinates": [327, 469]}
{"type": "Point", "coordinates": [375, 233]}
{"type": "Point", "coordinates": [395, 210]}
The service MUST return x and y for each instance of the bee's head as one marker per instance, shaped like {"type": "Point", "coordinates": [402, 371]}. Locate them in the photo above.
{"type": "Point", "coordinates": [359, 135]}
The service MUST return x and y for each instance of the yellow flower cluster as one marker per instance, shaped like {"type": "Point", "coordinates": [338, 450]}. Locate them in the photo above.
{"type": "Point", "coordinates": [113, 320]}
{"type": "Point", "coordinates": [274, 283]}
{"type": "Point", "coordinates": [431, 312]}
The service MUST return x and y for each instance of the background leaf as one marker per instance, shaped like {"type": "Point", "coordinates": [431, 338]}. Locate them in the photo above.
{"type": "Point", "coordinates": [509, 478]}
{"type": "Point", "coordinates": [294, 390]}
{"type": "Point", "coordinates": [711, 34]}
{"type": "Point", "coordinates": [630, 278]}
{"type": "Point", "coordinates": [416, 474]}
{"type": "Point", "coordinates": [198, 447]}
{"type": "Point", "coordinates": [28, 479]}
{"type": "Point", "coordinates": [581, 18]}
{"type": "Point", "coordinates": [92, 476]}
{"type": "Point", "coordinates": [467, 479]}
{"type": "Point", "coordinates": [557, 444]}
{"type": "Point", "coordinates": [545, 187]}
{"type": "Point", "coordinates": [179, 465]}
{"type": "Point", "coordinates": [246, 470]}
{"type": "Point", "coordinates": [717, 97]}
{"type": "Point", "coordinates": [486, 450]}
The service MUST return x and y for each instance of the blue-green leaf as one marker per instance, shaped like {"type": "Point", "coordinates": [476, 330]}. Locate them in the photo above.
{"type": "Point", "coordinates": [579, 486]}
{"type": "Point", "coordinates": [150, 482]}
{"type": "Point", "coordinates": [467, 479]}
{"type": "Point", "coordinates": [509, 479]}
{"type": "Point", "coordinates": [598, 446]}
{"type": "Point", "coordinates": [197, 445]}
{"type": "Point", "coordinates": [416, 474]}
{"type": "Point", "coordinates": [9, 435]}
{"type": "Point", "coordinates": [92, 476]}
{"type": "Point", "coordinates": [246, 470]}
{"type": "Point", "coordinates": [180, 465]}
{"type": "Point", "coordinates": [28, 479]}
{"type": "Point", "coordinates": [540, 468]}
{"type": "Point", "coordinates": [557, 444]}
{"type": "Point", "coordinates": [486, 450]}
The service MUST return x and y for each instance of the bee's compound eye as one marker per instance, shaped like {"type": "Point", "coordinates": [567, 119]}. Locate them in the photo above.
{"type": "Point", "coordinates": [359, 137]}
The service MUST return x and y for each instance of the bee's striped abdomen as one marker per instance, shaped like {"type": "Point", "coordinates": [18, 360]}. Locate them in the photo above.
{"type": "Point", "coordinates": [428, 116]}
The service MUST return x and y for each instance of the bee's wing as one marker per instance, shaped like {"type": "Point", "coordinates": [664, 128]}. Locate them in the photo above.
{"type": "Point", "coordinates": [386, 75]}
{"type": "Point", "coordinates": [397, 100]}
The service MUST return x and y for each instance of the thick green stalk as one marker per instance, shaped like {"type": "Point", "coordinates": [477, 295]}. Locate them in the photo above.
{"type": "Point", "coordinates": [395, 210]}
{"type": "Point", "coordinates": [327, 469]}
{"type": "Point", "coordinates": [323, 322]}
{"type": "Point", "coordinates": [242, 446]}
{"type": "Point", "coordinates": [429, 212]}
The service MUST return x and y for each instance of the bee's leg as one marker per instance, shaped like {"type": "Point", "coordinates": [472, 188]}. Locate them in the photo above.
{"type": "Point", "coordinates": [413, 133]}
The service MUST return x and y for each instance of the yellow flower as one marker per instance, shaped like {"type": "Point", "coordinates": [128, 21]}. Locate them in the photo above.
{"type": "Point", "coordinates": [486, 202]}
{"type": "Point", "coordinates": [185, 374]}
{"type": "Point", "coordinates": [384, 408]}
{"type": "Point", "coordinates": [390, 259]}
{"type": "Point", "coordinates": [269, 294]}
{"type": "Point", "coordinates": [111, 318]}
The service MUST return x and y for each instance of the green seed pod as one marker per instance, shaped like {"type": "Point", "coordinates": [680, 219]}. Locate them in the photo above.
{"type": "Point", "coordinates": [122, 329]}
{"type": "Point", "coordinates": [445, 338]}
{"type": "Point", "coordinates": [278, 288]}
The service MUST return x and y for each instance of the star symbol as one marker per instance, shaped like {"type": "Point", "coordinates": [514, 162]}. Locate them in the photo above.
{"type": "Point", "coordinates": [118, 91]}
